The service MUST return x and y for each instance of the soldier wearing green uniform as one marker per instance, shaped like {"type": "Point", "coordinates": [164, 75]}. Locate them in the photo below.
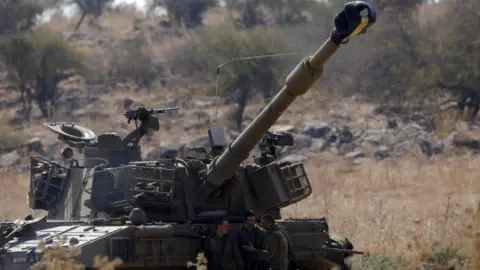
{"type": "Point", "coordinates": [222, 250]}
{"type": "Point", "coordinates": [275, 251]}
{"type": "Point", "coordinates": [291, 258]}
{"type": "Point", "coordinates": [253, 234]}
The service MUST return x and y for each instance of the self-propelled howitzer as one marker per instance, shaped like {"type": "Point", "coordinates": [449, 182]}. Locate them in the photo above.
{"type": "Point", "coordinates": [155, 214]}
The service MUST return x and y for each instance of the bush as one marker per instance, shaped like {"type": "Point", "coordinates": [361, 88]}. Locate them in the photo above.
{"type": "Point", "coordinates": [187, 12]}
{"type": "Point", "coordinates": [95, 8]}
{"type": "Point", "coordinates": [382, 262]}
{"type": "Point", "coordinates": [238, 80]}
{"type": "Point", "coordinates": [18, 15]}
{"type": "Point", "coordinates": [133, 59]}
{"type": "Point", "coordinates": [412, 58]}
{"type": "Point", "coordinates": [36, 62]}
{"type": "Point", "coordinates": [445, 256]}
{"type": "Point", "coordinates": [11, 140]}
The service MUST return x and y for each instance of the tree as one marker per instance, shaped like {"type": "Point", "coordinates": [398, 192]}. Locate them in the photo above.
{"type": "Point", "coordinates": [241, 80]}
{"type": "Point", "coordinates": [456, 58]}
{"type": "Point", "coordinates": [18, 15]}
{"type": "Point", "coordinates": [251, 12]}
{"type": "Point", "coordinates": [281, 12]}
{"type": "Point", "coordinates": [187, 13]}
{"type": "Point", "coordinates": [36, 63]}
{"type": "Point", "coordinates": [396, 57]}
{"type": "Point", "coordinates": [95, 8]}
{"type": "Point", "coordinates": [134, 59]}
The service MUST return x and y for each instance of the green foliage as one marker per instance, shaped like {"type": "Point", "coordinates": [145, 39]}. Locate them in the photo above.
{"type": "Point", "coordinates": [383, 262]}
{"type": "Point", "coordinates": [240, 80]}
{"type": "Point", "coordinates": [94, 8]}
{"type": "Point", "coordinates": [224, 44]}
{"type": "Point", "coordinates": [18, 15]}
{"type": "Point", "coordinates": [36, 62]}
{"type": "Point", "coordinates": [187, 12]}
{"type": "Point", "coordinates": [133, 59]}
{"type": "Point", "coordinates": [274, 12]}
{"type": "Point", "coordinates": [58, 54]}
{"type": "Point", "coordinates": [457, 50]}
{"type": "Point", "coordinates": [11, 139]}
{"type": "Point", "coordinates": [397, 5]}
{"type": "Point", "coordinates": [413, 58]}
{"type": "Point", "coordinates": [16, 53]}
{"type": "Point", "coordinates": [23, 52]}
{"type": "Point", "coordinates": [445, 256]}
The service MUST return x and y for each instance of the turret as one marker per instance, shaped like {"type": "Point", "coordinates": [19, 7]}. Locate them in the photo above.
{"type": "Point", "coordinates": [356, 17]}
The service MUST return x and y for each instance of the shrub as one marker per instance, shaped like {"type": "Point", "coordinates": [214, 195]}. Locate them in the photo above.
{"type": "Point", "coordinates": [95, 8]}
{"type": "Point", "coordinates": [36, 62]}
{"type": "Point", "coordinates": [18, 15]}
{"type": "Point", "coordinates": [133, 59]}
{"type": "Point", "coordinates": [445, 256]}
{"type": "Point", "coordinates": [238, 80]}
{"type": "Point", "coordinates": [187, 12]}
{"type": "Point", "coordinates": [11, 139]}
{"type": "Point", "coordinates": [382, 262]}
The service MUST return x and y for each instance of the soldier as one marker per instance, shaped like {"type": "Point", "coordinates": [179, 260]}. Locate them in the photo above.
{"type": "Point", "coordinates": [291, 258]}
{"type": "Point", "coordinates": [222, 250]}
{"type": "Point", "coordinates": [252, 234]}
{"type": "Point", "coordinates": [276, 245]}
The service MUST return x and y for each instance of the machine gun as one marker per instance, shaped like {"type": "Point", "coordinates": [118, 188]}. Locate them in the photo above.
{"type": "Point", "coordinates": [268, 152]}
{"type": "Point", "coordinates": [146, 118]}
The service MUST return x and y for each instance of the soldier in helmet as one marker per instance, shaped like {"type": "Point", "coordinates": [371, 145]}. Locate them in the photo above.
{"type": "Point", "coordinates": [253, 234]}
{"type": "Point", "coordinates": [222, 250]}
{"type": "Point", "coordinates": [275, 251]}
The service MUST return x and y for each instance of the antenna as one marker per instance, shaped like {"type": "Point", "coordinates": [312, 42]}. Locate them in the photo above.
{"type": "Point", "coordinates": [241, 59]}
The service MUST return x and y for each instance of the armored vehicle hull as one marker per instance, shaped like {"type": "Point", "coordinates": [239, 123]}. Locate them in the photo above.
{"type": "Point", "coordinates": [154, 246]}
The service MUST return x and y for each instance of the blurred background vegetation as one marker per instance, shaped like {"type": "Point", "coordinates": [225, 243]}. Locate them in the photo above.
{"type": "Point", "coordinates": [417, 50]}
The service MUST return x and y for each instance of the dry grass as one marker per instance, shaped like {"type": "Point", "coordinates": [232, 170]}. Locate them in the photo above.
{"type": "Point", "coordinates": [400, 207]}
{"type": "Point", "coordinates": [407, 203]}
{"type": "Point", "coordinates": [13, 194]}
{"type": "Point", "coordinates": [58, 258]}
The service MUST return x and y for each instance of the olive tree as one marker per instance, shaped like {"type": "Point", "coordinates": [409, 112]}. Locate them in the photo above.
{"type": "Point", "coordinates": [94, 8]}
{"type": "Point", "coordinates": [187, 13]}
{"type": "Point", "coordinates": [19, 15]}
{"type": "Point", "coordinates": [36, 63]}
{"type": "Point", "coordinates": [241, 80]}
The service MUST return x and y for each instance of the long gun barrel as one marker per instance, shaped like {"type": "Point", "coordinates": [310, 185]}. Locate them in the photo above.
{"type": "Point", "coordinates": [356, 17]}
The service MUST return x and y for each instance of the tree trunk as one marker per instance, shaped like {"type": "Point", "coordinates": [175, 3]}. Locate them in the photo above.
{"type": "Point", "coordinates": [242, 103]}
